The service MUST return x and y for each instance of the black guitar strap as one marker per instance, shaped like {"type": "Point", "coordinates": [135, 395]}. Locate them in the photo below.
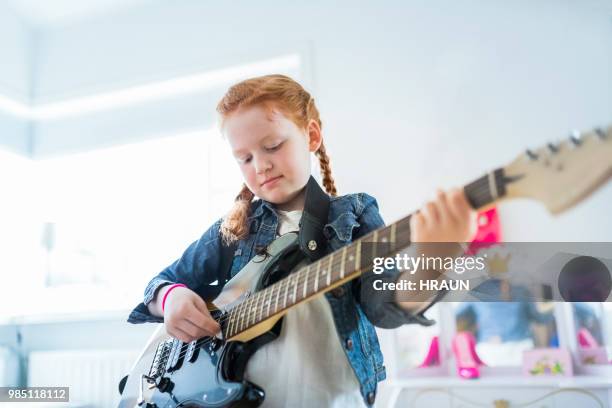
{"type": "Point", "coordinates": [315, 215]}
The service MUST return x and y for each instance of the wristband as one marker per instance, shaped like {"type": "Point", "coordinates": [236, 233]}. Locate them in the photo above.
{"type": "Point", "coordinates": [176, 285]}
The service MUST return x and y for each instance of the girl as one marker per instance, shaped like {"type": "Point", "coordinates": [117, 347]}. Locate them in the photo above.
{"type": "Point", "coordinates": [327, 353]}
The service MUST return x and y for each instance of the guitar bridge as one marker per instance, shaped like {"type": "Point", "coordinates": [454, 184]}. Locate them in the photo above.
{"type": "Point", "coordinates": [158, 366]}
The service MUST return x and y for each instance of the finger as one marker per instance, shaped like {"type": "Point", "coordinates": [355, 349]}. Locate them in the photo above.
{"type": "Point", "coordinates": [194, 330]}
{"type": "Point", "coordinates": [202, 307]}
{"type": "Point", "coordinates": [443, 207]}
{"type": "Point", "coordinates": [188, 328]}
{"type": "Point", "coordinates": [204, 322]}
{"type": "Point", "coordinates": [200, 304]}
{"type": "Point", "coordinates": [181, 335]}
{"type": "Point", "coordinates": [417, 223]}
{"type": "Point", "coordinates": [432, 216]}
{"type": "Point", "coordinates": [458, 204]}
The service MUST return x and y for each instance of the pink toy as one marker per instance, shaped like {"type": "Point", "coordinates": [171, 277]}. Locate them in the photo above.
{"type": "Point", "coordinates": [433, 355]}
{"type": "Point", "coordinates": [464, 348]}
{"type": "Point", "coordinates": [489, 231]}
{"type": "Point", "coordinates": [586, 339]}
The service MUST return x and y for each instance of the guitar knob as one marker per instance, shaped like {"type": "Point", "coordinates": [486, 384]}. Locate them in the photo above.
{"type": "Point", "coordinates": [165, 385]}
{"type": "Point", "coordinates": [601, 134]}
{"type": "Point", "coordinates": [531, 155]}
{"type": "Point", "coordinates": [575, 139]}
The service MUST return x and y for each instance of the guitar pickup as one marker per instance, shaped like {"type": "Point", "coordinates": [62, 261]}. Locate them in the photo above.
{"type": "Point", "coordinates": [177, 355]}
{"type": "Point", "coordinates": [192, 352]}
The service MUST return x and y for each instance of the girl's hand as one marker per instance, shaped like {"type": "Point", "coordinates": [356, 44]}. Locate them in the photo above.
{"type": "Point", "coordinates": [448, 218]}
{"type": "Point", "coordinates": [187, 317]}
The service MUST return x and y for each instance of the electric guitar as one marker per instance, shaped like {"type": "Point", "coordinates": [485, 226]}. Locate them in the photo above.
{"type": "Point", "coordinates": [208, 372]}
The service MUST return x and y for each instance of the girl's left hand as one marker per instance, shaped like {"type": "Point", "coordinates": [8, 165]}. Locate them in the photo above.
{"type": "Point", "coordinates": [448, 218]}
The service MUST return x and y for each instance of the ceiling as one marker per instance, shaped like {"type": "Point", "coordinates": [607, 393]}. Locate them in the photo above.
{"type": "Point", "coordinates": [50, 13]}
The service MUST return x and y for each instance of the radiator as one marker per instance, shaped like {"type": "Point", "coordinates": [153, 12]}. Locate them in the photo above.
{"type": "Point", "coordinates": [92, 375]}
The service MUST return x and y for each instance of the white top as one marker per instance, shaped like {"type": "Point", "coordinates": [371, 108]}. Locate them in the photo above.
{"type": "Point", "coordinates": [306, 365]}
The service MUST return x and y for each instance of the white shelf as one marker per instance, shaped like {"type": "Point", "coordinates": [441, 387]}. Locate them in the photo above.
{"type": "Point", "coordinates": [504, 381]}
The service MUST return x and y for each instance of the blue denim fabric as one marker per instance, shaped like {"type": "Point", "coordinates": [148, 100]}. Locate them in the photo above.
{"type": "Point", "coordinates": [355, 311]}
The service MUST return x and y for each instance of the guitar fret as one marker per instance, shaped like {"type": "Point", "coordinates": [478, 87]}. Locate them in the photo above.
{"type": "Point", "coordinates": [286, 292]}
{"type": "Point", "coordinates": [342, 262]}
{"type": "Point", "coordinates": [240, 312]}
{"type": "Point", "coordinates": [351, 257]}
{"type": "Point", "coordinates": [249, 311]}
{"type": "Point", "coordinates": [271, 290]}
{"type": "Point", "coordinates": [234, 317]}
{"type": "Point", "coordinates": [374, 242]}
{"type": "Point", "coordinates": [328, 275]}
{"type": "Point", "coordinates": [330, 267]}
{"type": "Point", "coordinates": [230, 320]}
{"type": "Point", "coordinates": [316, 286]}
{"type": "Point", "coordinates": [306, 281]}
{"type": "Point", "coordinates": [277, 296]}
{"type": "Point", "coordinates": [254, 309]}
{"type": "Point", "coordinates": [357, 255]}
{"type": "Point", "coordinates": [295, 283]}
{"type": "Point", "coordinates": [261, 308]}
{"type": "Point", "coordinates": [393, 227]}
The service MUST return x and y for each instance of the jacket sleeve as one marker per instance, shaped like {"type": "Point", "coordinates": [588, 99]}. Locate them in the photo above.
{"type": "Point", "coordinates": [197, 268]}
{"type": "Point", "coordinates": [379, 306]}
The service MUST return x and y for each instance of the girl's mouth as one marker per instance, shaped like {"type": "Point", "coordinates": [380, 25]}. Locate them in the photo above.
{"type": "Point", "coordinates": [271, 181]}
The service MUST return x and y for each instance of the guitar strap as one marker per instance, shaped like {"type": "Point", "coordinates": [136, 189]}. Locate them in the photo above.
{"type": "Point", "coordinates": [316, 212]}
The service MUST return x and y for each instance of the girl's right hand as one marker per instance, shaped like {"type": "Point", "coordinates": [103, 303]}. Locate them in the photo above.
{"type": "Point", "coordinates": [187, 317]}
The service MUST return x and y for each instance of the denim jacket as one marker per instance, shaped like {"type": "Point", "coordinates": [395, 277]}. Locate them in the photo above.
{"type": "Point", "coordinates": [350, 217]}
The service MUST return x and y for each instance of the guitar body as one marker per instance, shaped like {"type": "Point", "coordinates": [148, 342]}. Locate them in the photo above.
{"type": "Point", "coordinates": [209, 372]}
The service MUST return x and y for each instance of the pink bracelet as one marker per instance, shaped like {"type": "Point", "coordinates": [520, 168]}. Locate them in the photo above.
{"type": "Point", "coordinates": [176, 285]}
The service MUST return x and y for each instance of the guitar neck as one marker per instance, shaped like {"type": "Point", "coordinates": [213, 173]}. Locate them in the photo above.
{"type": "Point", "coordinates": [345, 264]}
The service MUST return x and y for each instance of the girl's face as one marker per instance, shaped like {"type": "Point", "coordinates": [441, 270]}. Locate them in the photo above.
{"type": "Point", "coordinates": [272, 153]}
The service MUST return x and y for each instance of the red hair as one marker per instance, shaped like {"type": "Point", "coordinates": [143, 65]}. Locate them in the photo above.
{"type": "Point", "coordinates": [297, 105]}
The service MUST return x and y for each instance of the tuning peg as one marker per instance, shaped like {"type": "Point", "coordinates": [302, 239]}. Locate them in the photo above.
{"type": "Point", "coordinates": [575, 138]}
{"type": "Point", "coordinates": [553, 148]}
{"type": "Point", "coordinates": [531, 155]}
{"type": "Point", "coordinates": [601, 134]}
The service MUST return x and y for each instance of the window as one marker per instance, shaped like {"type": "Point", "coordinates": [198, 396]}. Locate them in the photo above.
{"type": "Point", "coordinates": [109, 220]}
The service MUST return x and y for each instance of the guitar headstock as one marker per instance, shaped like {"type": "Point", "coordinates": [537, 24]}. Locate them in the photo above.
{"type": "Point", "coordinates": [562, 174]}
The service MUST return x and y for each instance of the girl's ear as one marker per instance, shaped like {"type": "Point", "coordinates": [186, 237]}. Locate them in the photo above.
{"type": "Point", "coordinates": [314, 135]}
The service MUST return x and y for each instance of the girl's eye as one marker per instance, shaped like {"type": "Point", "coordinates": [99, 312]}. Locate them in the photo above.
{"type": "Point", "coordinates": [275, 147]}
{"type": "Point", "coordinates": [244, 160]}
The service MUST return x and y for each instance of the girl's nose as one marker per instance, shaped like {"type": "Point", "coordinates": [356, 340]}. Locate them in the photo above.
{"type": "Point", "coordinates": [262, 165]}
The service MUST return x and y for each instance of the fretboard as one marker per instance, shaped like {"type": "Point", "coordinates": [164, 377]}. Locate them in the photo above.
{"type": "Point", "coordinates": [343, 265]}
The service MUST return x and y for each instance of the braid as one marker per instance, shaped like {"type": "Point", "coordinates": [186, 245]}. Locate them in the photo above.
{"type": "Point", "coordinates": [328, 180]}
{"type": "Point", "coordinates": [234, 226]}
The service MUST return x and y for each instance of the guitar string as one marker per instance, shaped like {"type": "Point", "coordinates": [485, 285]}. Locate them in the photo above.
{"type": "Point", "coordinates": [299, 287]}
{"type": "Point", "coordinates": [306, 282]}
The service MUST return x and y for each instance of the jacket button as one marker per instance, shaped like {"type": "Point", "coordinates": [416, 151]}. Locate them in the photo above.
{"type": "Point", "coordinates": [338, 292]}
{"type": "Point", "coordinates": [371, 397]}
{"type": "Point", "coordinates": [349, 344]}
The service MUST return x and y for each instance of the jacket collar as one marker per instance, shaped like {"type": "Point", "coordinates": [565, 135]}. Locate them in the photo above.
{"type": "Point", "coordinates": [261, 205]}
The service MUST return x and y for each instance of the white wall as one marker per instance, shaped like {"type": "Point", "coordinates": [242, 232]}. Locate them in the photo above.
{"type": "Point", "coordinates": [421, 94]}
{"type": "Point", "coordinates": [16, 45]}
